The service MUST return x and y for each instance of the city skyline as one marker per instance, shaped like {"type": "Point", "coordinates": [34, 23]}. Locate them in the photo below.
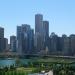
{"type": "Point", "coordinates": [34, 29]}
{"type": "Point", "coordinates": [28, 42]}
{"type": "Point", "coordinates": [37, 37]}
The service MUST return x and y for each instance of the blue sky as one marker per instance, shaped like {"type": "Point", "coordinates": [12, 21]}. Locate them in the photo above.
{"type": "Point", "coordinates": [59, 13]}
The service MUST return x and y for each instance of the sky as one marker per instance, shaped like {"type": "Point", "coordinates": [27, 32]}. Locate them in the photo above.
{"type": "Point", "coordinates": [59, 13]}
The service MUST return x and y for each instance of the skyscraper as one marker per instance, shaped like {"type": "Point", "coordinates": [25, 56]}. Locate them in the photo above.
{"type": "Point", "coordinates": [19, 40]}
{"type": "Point", "coordinates": [1, 32]}
{"type": "Point", "coordinates": [38, 42]}
{"type": "Point", "coordinates": [46, 28]}
{"type": "Point", "coordinates": [13, 43]}
{"type": "Point", "coordinates": [3, 44]}
{"type": "Point", "coordinates": [39, 37]}
{"type": "Point", "coordinates": [54, 42]}
{"type": "Point", "coordinates": [25, 36]}
{"type": "Point", "coordinates": [31, 41]}
{"type": "Point", "coordinates": [65, 44]}
{"type": "Point", "coordinates": [3, 41]}
{"type": "Point", "coordinates": [46, 33]}
{"type": "Point", "coordinates": [72, 44]}
{"type": "Point", "coordinates": [38, 23]}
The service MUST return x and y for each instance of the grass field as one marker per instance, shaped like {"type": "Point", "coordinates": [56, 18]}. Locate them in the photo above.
{"type": "Point", "coordinates": [18, 71]}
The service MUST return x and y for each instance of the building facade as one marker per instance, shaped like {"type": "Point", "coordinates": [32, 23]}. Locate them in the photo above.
{"type": "Point", "coordinates": [72, 44]}
{"type": "Point", "coordinates": [13, 43]}
{"type": "Point", "coordinates": [65, 45]}
{"type": "Point", "coordinates": [25, 39]}
{"type": "Point", "coordinates": [46, 33]}
{"type": "Point", "coordinates": [1, 32]}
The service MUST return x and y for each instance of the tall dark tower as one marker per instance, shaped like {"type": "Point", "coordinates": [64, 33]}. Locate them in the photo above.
{"type": "Point", "coordinates": [19, 39]}
{"type": "Point", "coordinates": [1, 32]}
{"type": "Point", "coordinates": [46, 28]}
{"type": "Point", "coordinates": [3, 41]}
{"type": "Point", "coordinates": [39, 38]}
{"type": "Point", "coordinates": [38, 23]}
{"type": "Point", "coordinates": [13, 43]}
{"type": "Point", "coordinates": [46, 33]}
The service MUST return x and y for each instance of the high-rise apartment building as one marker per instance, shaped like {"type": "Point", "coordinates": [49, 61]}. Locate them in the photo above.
{"type": "Point", "coordinates": [72, 44]}
{"type": "Point", "coordinates": [65, 44]}
{"type": "Point", "coordinates": [31, 41]}
{"type": "Point", "coordinates": [53, 43]}
{"type": "Point", "coordinates": [3, 44]}
{"type": "Point", "coordinates": [13, 43]}
{"type": "Point", "coordinates": [46, 33]}
{"type": "Point", "coordinates": [3, 41]}
{"type": "Point", "coordinates": [19, 40]}
{"type": "Point", "coordinates": [25, 39]}
{"type": "Point", "coordinates": [46, 28]}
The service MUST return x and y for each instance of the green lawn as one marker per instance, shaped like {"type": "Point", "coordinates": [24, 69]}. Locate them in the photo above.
{"type": "Point", "coordinates": [18, 71]}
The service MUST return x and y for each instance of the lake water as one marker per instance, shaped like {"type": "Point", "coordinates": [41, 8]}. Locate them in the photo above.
{"type": "Point", "coordinates": [7, 62]}
{"type": "Point", "coordinates": [11, 61]}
